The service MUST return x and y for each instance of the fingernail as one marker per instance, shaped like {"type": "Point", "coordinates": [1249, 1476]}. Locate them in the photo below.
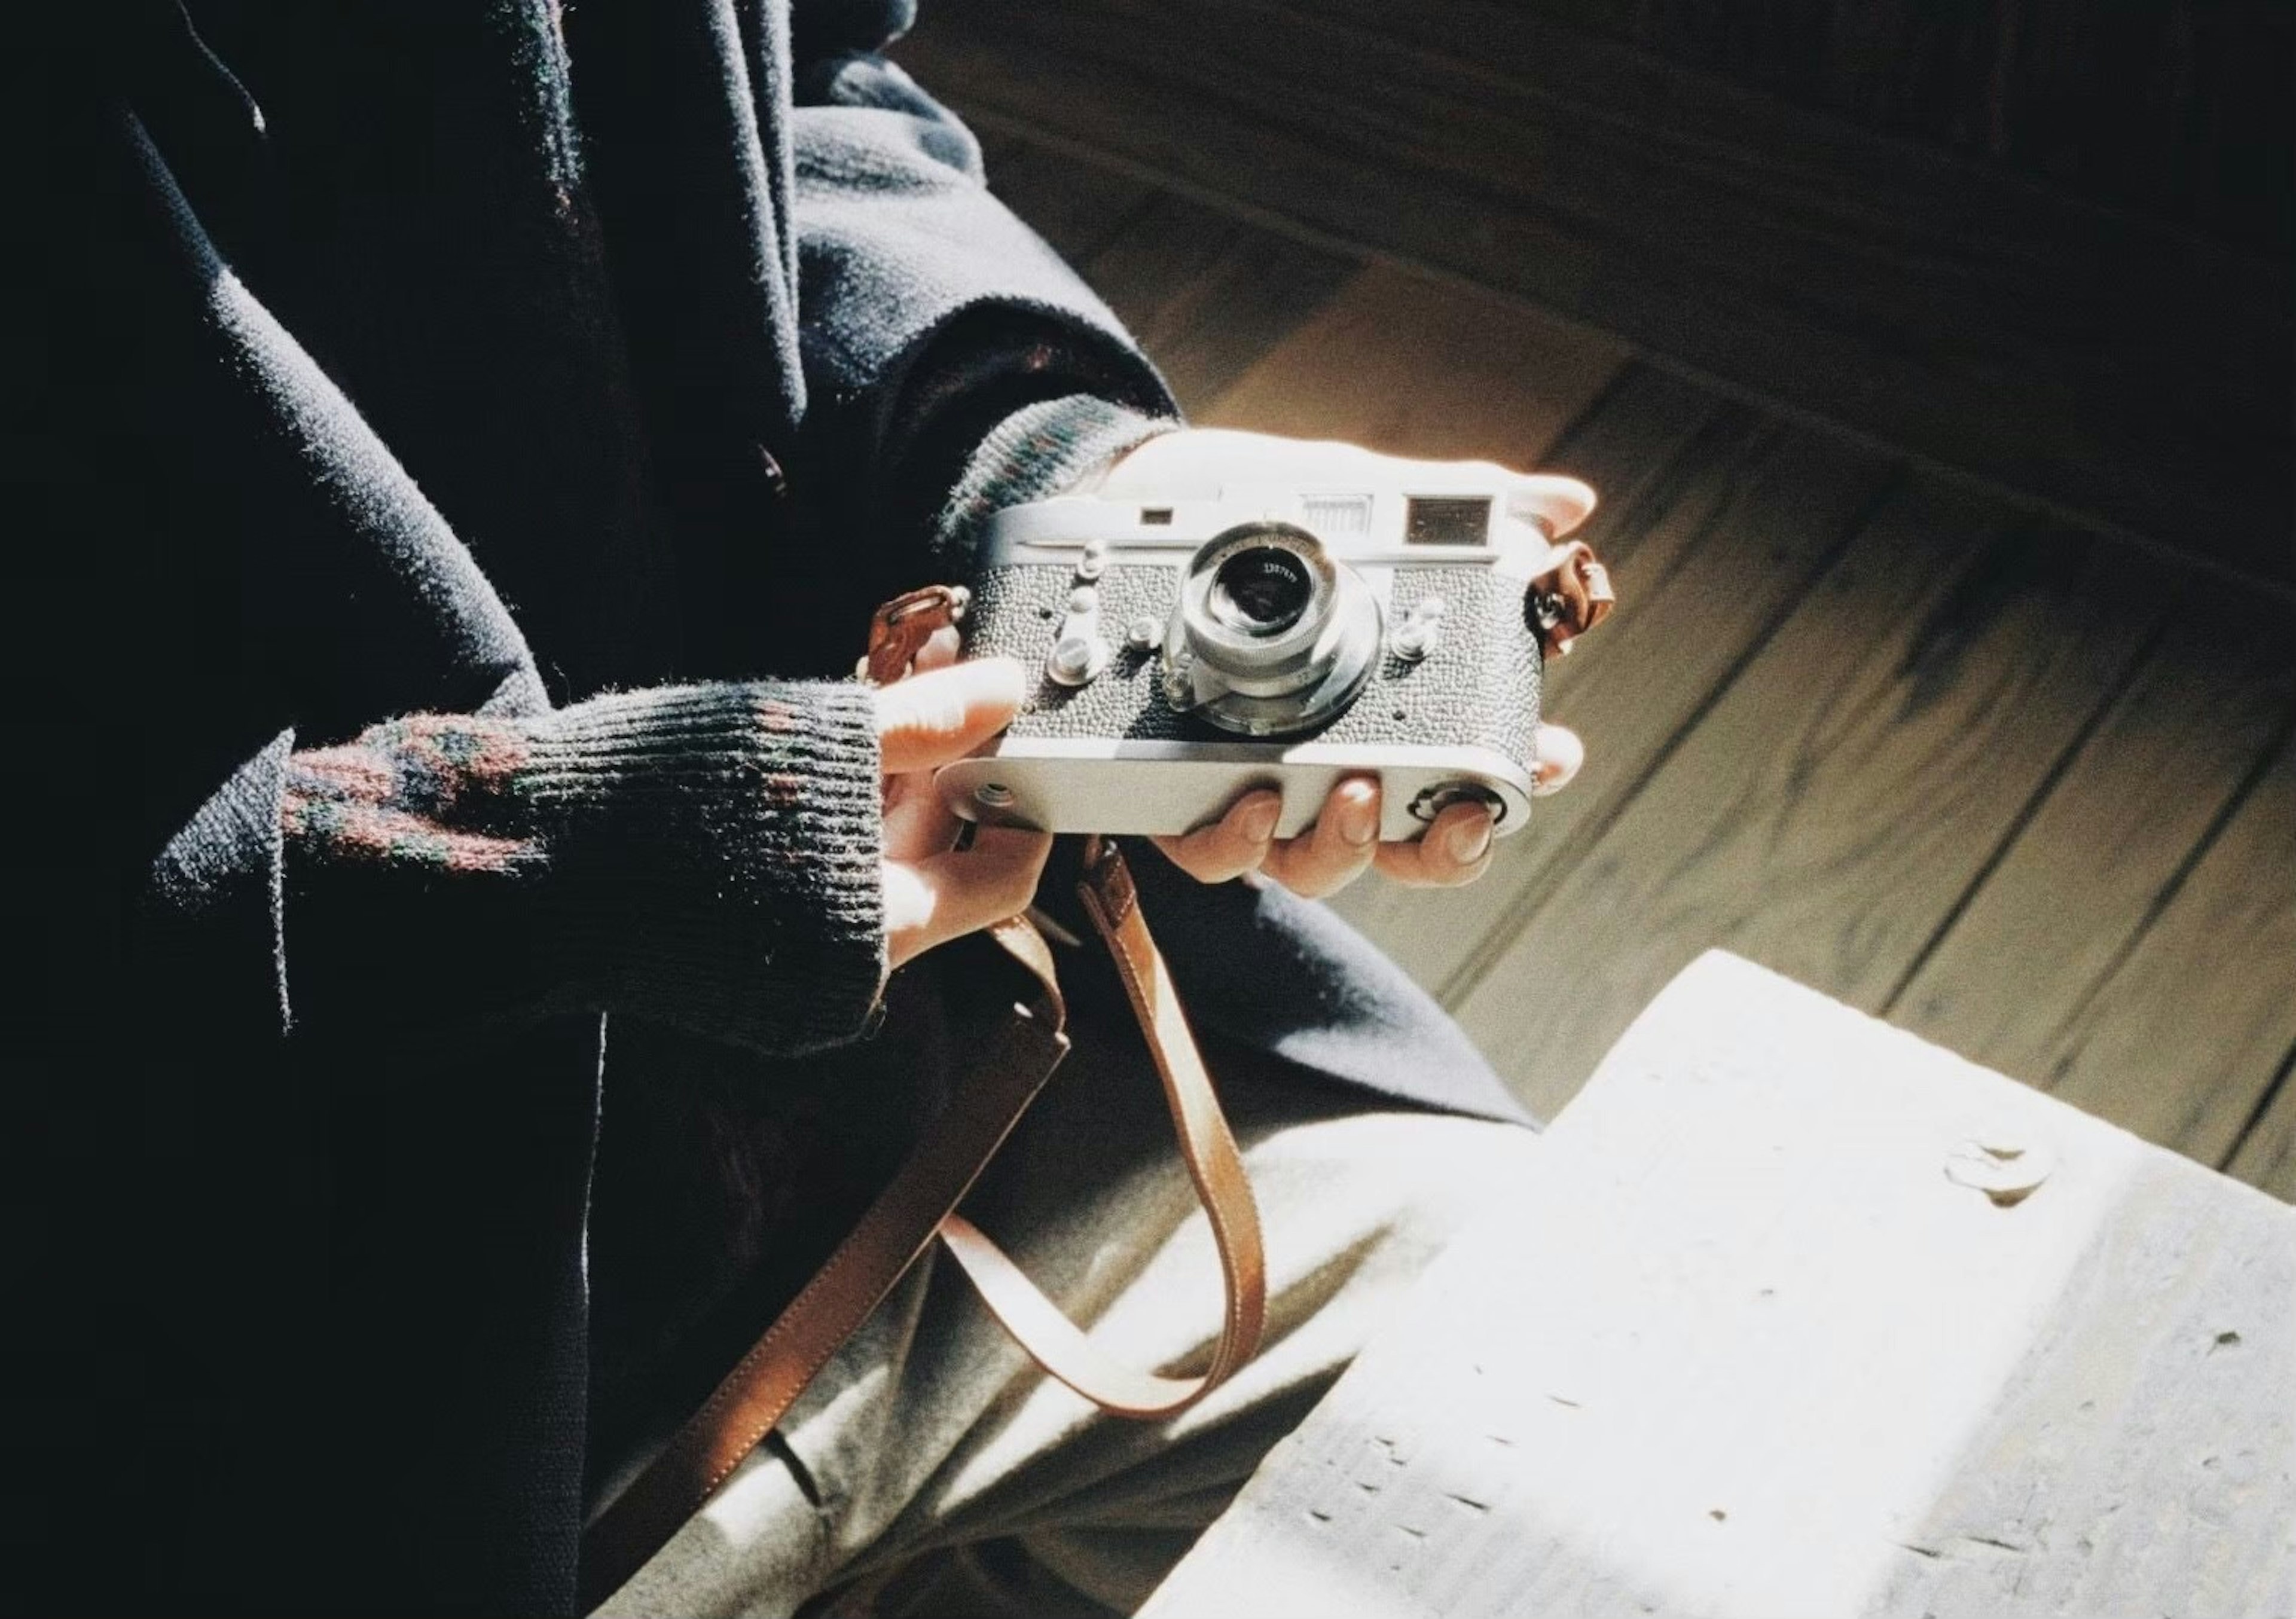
{"type": "Point", "coordinates": [1359, 816]}
{"type": "Point", "coordinates": [1560, 754]}
{"type": "Point", "coordinates": [1259, 820]}
{"type": "Point", "coordinates": [1469, 841]}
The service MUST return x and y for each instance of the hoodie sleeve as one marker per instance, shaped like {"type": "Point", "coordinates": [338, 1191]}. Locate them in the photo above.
{"type": "Point", "coordinates": [954, 362]}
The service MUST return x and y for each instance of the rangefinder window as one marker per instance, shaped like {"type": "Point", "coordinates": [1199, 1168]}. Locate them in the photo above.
{"type": "Point", "coordinates": [1447, 520]}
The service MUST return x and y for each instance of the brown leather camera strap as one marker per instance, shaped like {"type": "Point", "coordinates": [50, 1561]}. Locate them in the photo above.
{"type": "Point", "coordinates": [1206, 1146]}
{"type": "Point", "coordinates": [921, 1203]}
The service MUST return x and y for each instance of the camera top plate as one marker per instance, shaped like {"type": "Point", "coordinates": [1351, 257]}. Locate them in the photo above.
{"type": "Point", "coordinates": [1455, 515]}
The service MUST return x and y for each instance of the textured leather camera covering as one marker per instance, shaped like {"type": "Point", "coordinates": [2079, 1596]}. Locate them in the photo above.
{"type": "Point", "coordinates": [1479, 686]}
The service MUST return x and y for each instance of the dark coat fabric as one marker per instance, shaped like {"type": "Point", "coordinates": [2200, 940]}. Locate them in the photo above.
{"type": "Point", "coordinates": [459, 358]}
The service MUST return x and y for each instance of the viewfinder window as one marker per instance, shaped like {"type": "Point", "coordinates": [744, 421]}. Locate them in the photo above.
{"type": "Point", "coordinates": [1447, 520]}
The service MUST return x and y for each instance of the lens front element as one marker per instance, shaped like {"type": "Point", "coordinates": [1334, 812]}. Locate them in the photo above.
{"type": "Point", "coordinates": [1261, 591]}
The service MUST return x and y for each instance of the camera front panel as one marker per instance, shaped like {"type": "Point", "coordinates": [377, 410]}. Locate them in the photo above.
{"type": "Point", "coordinates": [1464, 710]}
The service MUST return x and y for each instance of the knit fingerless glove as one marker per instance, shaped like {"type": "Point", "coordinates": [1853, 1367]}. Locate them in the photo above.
{"type": "Point", "coordinates": [707, 856]}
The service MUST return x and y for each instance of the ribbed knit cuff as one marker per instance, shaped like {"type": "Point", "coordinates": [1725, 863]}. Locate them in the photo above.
{"type": "Point", "coordinates": [716, 856]}
{"type": "Point", "coordinates": [1040, 450]}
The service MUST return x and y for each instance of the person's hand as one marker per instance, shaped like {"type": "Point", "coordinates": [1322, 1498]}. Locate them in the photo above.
{"type": "Point", "coordinates": [1342, 842]}
{"type": "Point", "coordinates": [935, 892]}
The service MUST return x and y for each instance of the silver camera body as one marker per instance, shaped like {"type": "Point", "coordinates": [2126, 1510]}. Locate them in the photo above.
{"type": "Point", "coordinates": [1187, 651]}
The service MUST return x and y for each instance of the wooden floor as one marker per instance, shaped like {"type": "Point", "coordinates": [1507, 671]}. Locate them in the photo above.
{"type": "Point", "coordinates": [2028, 791]}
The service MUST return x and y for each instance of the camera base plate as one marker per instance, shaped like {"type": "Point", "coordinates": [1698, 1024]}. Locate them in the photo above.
{"type": "Point", "coordinates": [1095, 785]}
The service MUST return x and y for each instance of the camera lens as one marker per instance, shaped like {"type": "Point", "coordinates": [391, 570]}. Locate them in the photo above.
{"type": "Point", "coordinates": [1271, 636]}
{"type": "Point", "coordinates": [1261, 591]}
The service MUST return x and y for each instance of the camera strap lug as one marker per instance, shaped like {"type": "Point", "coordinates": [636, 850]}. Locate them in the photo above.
{"type": "Point", "coordinates": [1571, 596]}
{"type": "Point", "coordinates": [899, 630]}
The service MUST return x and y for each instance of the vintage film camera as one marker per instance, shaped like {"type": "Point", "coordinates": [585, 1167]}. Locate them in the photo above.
{"type": "Point", "coordinates": [1280, 637]}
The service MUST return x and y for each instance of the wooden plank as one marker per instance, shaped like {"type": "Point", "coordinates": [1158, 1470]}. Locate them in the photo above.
{"type": "Point", "coordinates": [1205, 293]}
{"type": "Point", "coordinates": [2186, 1033]}
{"type": "Point", "coordinates": [2267, 1154]}
{"type": "Point", "coordinates": [997, 145]}
{"type": "Point", "coordinates": [1209, 294]}
{"type": "Point", "coordinates": [1653, 445]}
{"type": "Point", "coordinates": [1774, 1356]}
{"type": "Point", "coordinates": [2179, 108]}
{"type": "Point", "coordinates": [1426, 369]}
{"type": "Point", "coordinates": [1828, 812]}
{"type": "Point", "coordinates": [1725, 545]}
{"type": "Point", "coordinates": [2022, 969]}
{"type": "Point", "coordinates": [2111, 369]}
{"type": "Point", "coordinates": [1077, 207]}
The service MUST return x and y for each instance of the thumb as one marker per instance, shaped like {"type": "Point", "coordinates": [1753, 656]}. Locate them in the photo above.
{"type": "Point", "coordinates": [941, 715]}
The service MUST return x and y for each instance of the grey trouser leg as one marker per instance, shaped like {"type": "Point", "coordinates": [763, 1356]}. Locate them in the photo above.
{"type": "Point", "coordinates": [939, 1473]}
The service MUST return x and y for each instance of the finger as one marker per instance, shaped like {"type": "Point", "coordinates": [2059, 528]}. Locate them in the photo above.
{"type": "Point", "coordinates": [1456, 850]}
{"type": "Point", "coordinates": [1560, 753]}
{"type": "Point", "coordinates": [918, 822]}
{"type": "Point", "coordinates": [1197, 462]}
{"type": "Point", "coordinates": [1560, 503]}
{"type": "Point", "coordinates": [1235, 844]}
{"type": "Point", "coordinates": [931, 901]}
{"type": "Point", "coordinates": [942, 715]}
{"type": "Point", "coordinates": [938, 651]}
{"type": "Point", "coordinates": [1335, 853]}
